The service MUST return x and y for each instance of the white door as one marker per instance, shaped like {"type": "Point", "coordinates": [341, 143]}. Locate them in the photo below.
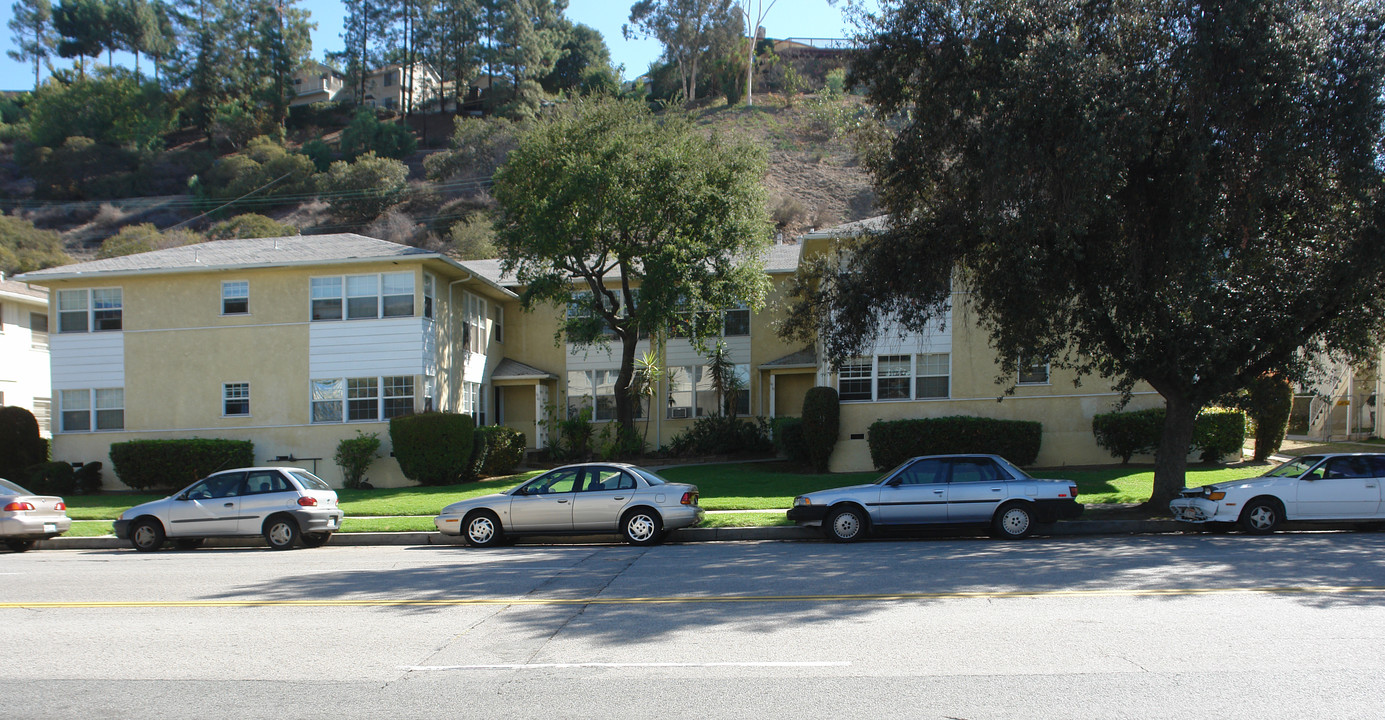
{"type": "Point", "coordinates": [211, 507]}
{"type": "Point", "coordinates": [1344, 487]}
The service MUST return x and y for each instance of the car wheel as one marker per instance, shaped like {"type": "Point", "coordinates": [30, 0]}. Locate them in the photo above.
{"type": "Point", "coordinates": [1261, 516]}
{"type": "Point", "coordinates": [281, 532]}
{"type": "Point", "coordinates": [189, 543]}
{"type": "Point", "coordinates": [1013, 522]}
{"type": "Point", "coordinates": [19, 545]}
{"type": "Point", "coordinates": [147, 535]}
{"type": "Point", "coordinates": [846, 524]}
{"type": "Point", "coordinates": [642, 526]}
{"type": "Point", "coordinates": [482, 529]}
{"type": "Point", "coordinates": [317, 539]}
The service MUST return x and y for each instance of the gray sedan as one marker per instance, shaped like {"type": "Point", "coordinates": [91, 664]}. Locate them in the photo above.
{"type": "Point", "coordinates": [26, 517]}
{"type": "Point", "coordinates": [941, 489]}
{"type": "Point", "coordinates": [591, 498]}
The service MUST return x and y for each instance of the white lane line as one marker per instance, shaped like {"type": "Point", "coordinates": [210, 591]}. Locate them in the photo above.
{"type": "Point", "coordinates": [563, 666]}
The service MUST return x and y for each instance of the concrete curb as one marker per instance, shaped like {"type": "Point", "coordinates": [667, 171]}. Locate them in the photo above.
{"type": "Point", "coordinates": [685, 535]}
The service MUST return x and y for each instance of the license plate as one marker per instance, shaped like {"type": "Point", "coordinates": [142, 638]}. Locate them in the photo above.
{"type": "Point", "coordinates": [50, 527]}
{"type": "Point", "coordinates": [1189, 514]}
{"type": "Point", "coordinates": [331, 523]}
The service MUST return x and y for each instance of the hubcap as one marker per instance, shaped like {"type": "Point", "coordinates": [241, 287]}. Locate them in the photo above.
{"type": "Point", "coordinates": [480, 530]}
{"type": "Point", "coordinates": [640, 528]}
{"type": "Point", "coordinates": [144, 536]}
{"type": "Point", "coordinates": [846, 525]}
{"type": "Point", "coordinates": [279, 533]}
{"type": "Point", "coordinates": [1262, 517]}
{"type": "Point", "coordinates": [1015, 521]}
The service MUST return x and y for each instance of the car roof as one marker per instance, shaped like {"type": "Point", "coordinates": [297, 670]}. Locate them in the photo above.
{"type": "Point", "coordinates": [284, 468]}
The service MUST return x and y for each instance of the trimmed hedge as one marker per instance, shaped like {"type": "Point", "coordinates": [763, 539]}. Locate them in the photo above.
{"type": "Point", "coordinates": [434, 448]}
{"type": "Point", "coordinates": [1216, 432]}
{"type": "Point", "coordinates": [59, 478]}
{"type": "Point", "coordinates": [504, 449]}
{"type": "Point", "coordinates": [894, 441]}
{"type": "Point", "coordinates": [788, 439]}
{"type": "Point", "coordinates": [21, 445]}
{"type": "Point", "coordinates": [171, 464]}
{"type": "Point", "coordinates": [821, 423]}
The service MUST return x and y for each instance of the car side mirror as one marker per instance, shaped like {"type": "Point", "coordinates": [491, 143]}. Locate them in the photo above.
{"type": "Point", "coordinates": [895, 481]}
{"type": "Point", "coordinates": [184, 496]}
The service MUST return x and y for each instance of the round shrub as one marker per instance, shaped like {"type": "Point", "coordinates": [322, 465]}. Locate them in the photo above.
{"type": "Point", "coordinates": [356, 454]}
{"type": "Point", "coordinates": [1219, 433]}
{"type": "Point", "coordinates": [504, 449]}
{"type": "Point", "coordinates": [821, 424]}
{"type": "Point", "coordinates": [21, 445]}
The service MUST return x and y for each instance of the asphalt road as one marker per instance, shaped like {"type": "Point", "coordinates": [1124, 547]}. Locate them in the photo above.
{"type": "Point", "coordinates": [1111, 627]}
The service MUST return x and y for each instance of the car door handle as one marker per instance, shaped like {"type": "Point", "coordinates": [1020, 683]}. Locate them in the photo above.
{"type": "Point", "coordinates": [562, 501]}
{"type": "Point", "coordinates": [229, 505]}
{"type": "Point", "coordinates": [937, 492]}
{"type": "Point", "coordinates": [622, 497]}
{"type": "Point", "coordinates": [996, 489]}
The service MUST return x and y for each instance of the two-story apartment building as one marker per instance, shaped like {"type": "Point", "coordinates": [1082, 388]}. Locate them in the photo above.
{"type": "Point", "coordinates": [24, 349]}
{"type": "Point", "coordinates": [293, 343]}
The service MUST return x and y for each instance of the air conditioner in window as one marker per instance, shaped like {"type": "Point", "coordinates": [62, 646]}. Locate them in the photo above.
{"type": "Point", "coordinates": [679, 413]}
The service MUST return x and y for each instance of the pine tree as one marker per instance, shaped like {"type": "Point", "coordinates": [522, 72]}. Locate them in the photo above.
{"type": "Point", "coordinates": [34, 40]}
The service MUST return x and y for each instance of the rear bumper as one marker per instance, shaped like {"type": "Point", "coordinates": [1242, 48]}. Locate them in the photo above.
{"type": "Point", "coordinates": [682, 516]}
{"type": "Point", "coordinates": [34, 528]}
{"type": "Point", "coordinates": [316, 521]}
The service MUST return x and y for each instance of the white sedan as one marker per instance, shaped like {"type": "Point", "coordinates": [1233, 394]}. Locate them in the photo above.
{"type": "Point", "coordinates": [1331, 487]}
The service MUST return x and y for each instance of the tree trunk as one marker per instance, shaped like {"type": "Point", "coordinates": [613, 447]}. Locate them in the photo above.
{"type": "Point", "coordinates": [750, 65]}
{"type": "Point", "coordinates": [1171, 460]}
{"type": "Point", "coordinates": [625, 402]}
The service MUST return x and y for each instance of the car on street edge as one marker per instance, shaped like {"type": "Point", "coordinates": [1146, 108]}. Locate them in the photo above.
{"type": "Point", "coordinates": [1321, 487]}
{"type": "Point", "coordinates": [26, 517]}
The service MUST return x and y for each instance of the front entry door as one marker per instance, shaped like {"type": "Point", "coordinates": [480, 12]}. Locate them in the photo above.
{"type": "Point", "coordinates": [918, 495]}
{"type": "Point", "coordinates": [211, 507]}
{"type": "Point", "coordinates": [545, 505]}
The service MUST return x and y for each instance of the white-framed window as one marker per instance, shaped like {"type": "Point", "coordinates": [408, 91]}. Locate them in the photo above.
{"type": "Point", "coordinates": [596, 389]}
{"type": "Point", "coordinates": [361, 399]}
{"type": "Point", "coordinates": [430, 284]}
{"type": "Point", "coordinates": [1034, 373]}
{"type": "Point", "coordinates": [474, 401]}
{"type": "Point", "coordinates": [854, 379]}
{"type": "Point", "coordinates": [732, 322]}
{"type": "Point", "coordinates": [498, 323]}
{"type": "Point", "coordinates": [235, 297]}
{"type": "Point", "coordinates": [38, 331]}
{"type": "Point", "coordinates": [691, 392]}
{"type": "Point", "coordinates": [925, 376]}
{"type": "Point", "coordinates": [94, 310]}
{"type": "Point", "coordinates": [101, 409]}
{"type": "Point", "coordinates": [363, 297]}
{"type": "Point", "coordinates": [473, 323]}
{"type": "Point", "coordinates": [235, 399]}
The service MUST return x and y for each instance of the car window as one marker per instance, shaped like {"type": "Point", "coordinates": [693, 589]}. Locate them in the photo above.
{"type": "Point", "coordinates": [558, 481]}
{"type": "Point", "coordinates": [309, 481]}
{"type": "Point", "coordinates": [649, 476]}
{"type": "Point", "coordinates": [217, 486]}
{"type": "Point", "coordinates": [974, 470]}
{"type": "Point", "coordinates": [11, 488]}
{"type": "Point", "coordinates": [1347, 467]}
{"type": "Point", "coordinates": [1295, 467]}
{"type": "Point", "coordinates": [1377, 464]}
{"type": "Point", "coordinates": [266, 481]}
{"type": "Point", "coordinates": [602, 479]}
{"type": "Point", "coordinates": [924, 472]}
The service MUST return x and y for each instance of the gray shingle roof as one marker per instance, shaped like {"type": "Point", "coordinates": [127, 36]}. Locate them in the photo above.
{"type": "Point", "coordinates": [19, 289]}
{"type": "Point", "coordinates": [807, 357]}
{"type": "Point", "coordinates": [779, 259]}
{"type": "Point", "coordinates": [259, 252]}
{"type": "Point", "coordinates": [515, 370]}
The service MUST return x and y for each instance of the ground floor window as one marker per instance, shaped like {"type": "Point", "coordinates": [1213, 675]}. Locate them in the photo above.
{"type": "Point", "coordinates": [100, 409]}
{"type": "Point", "coordinates": [362, 399]}
{"type": "Point", "coordinates": [474, 401]}
{"type": "Point", "coordinates": [922, 376]}
{"type": "Point", "coordinates": [596, 390]}
{"type": "Point", "coordinates": [692, 393]}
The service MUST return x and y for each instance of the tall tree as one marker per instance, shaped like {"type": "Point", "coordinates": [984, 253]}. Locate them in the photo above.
{"type": "Point", "coordinates": [82, 29]}
{"type": "Point", "coordinates": [650, 216]}
{"type": "Point", "coordinates": [1174, 192]}
{"type": "Point", "coordinates": [527, 42]}
{"type": "Point", "coordinates": [33, 38]}
{"type": "Point", "coordinates": [583, 65]}
{"type": "Point", "coordinates": [364, 34]}
{"type": "Point", "coordinates": [454, 44]}
{"type": "Point", "coordinates": [134, 26]}
{"type": "Point", "coordinates": [754, 19]}
{"type": "Point", "coordinates": [688, 30]}
{"type": "Point", "coordinates": [282, 44]}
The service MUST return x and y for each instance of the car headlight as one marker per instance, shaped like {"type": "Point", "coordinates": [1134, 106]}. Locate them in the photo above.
{"type": "Point", "coordinates": [801, 501]}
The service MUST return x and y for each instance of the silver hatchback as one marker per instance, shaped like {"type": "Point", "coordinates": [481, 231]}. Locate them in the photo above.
{"type": "Point", "coordinates": [591, 498]}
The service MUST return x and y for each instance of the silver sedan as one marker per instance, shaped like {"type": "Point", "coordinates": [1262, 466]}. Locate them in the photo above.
{"type": "Point", "coordinates": [26, 517]}
{"type": "Point", "coordinates": [591, 498]}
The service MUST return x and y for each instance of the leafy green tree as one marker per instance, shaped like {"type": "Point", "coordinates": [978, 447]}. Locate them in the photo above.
{"type": "Point", "coordinates": [145, 237]}
{"type": "Point", "coordinates": [265, 169]}
{"type": "Point", "coordinates": [454, 43]}
{"type": "Point", "coordinates": [111, 107]}
{"type": "Point", "coordinates": [648, 216]}
{"type": "Point", "coordinates": [526, 43]}
{"type": "Point", "coordinates": [367, 133]}
{"type": "Point", "coordinates": [362, 189]}
{"type": "Point", "coordinates": [583, 66]}
{"type": "Point", "coordinates": [1178, 193]}
{"type": "Point", "coordinates": [134, 24]}
{"type": "Point", "coordinates": [250, 225]}
{"type": "Point", "coordinates": [31, 22]}
{"type": "Point", "coordinates": [689, 30]}
{"type": "Point", "coordinates": [24, 247]}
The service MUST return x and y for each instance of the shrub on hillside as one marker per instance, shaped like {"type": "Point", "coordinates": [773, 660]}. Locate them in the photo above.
{"type": "Point", "coordinates": [112, 107]}
{"type": "Point", "coordinates": [171, 464]}
{"type": "Point", "coordinates": [250, 225]}
{"type": "Point", "coordinates": [433, 448]}
{"type": "Point", "coordinates": [361, 190]}
{"type": "Point", "coordinates": [821, 424]}
{"type": "Point", "coordinates": [320, 153]}
{"type": "Point", "coordinates": [479, 146]}
{"type": "Point", "coordinates": [145, 237]}
{"type": "Point", "coordinates": [79, 168]}
{"type": "Point", "coordinates": [24, 247]}
{"type": "Point", "coordinates": [262, 162]}
{"type": "Point", "coordinates": [21, 445]}
{"type": "Point", "coordinates": [367, 134]}
{"type": "Point", "coordinates": [894, 441]}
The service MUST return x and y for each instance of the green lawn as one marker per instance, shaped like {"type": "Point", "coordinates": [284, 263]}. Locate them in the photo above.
{"type": "Point", "coordinates": [749, 486]}
{"type": "Point", "coordinates": [764, 519]}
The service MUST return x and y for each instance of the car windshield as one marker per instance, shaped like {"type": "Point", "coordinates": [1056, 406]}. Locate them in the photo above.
{"type": "Point", "coordinates": [649, 476]}
{"type": "Point", "coordinates": [309, 481]}
{"type": "Point", "coordinates": [1295, 467]}
{"type": "Point", "coordinates": [893, 470]}
{"type": "Point", "coordinates": [12, 489]}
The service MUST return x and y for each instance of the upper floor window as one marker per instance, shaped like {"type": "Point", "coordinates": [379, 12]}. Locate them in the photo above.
{"type": "Point", "coordinates": [498, 322]}
{"type": "Point", "coordinates": [95, 310]}
{"type": "Point", "coordinates": [363, 297]}
{"type": "Point", "coordinates": [734, 322]}
{"type": "Point", "coordinates": [235, 398]}
{"type": "Point", "coordinates": [473, 323]}
{"type": "Point", "coordinates": [429, 292]}
{"type": "Point", "coordinates": [38, 329]}
{"type": "Point", "coordinates": [1034, 373]}
{"type": "Point", "coordinates": [235, 297]}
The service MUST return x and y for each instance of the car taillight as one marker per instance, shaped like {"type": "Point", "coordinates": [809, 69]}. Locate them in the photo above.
{"type": "Point", "coordinates": [307, 501]}
{"type": "Point", "coordinates": [60, 506]}
{"type": "Point", "coordinates": [1073, 489]}
{"type": "Point", "coordinates": [689, 498]}
{"type": "Point", "coordinates": [18, 506]}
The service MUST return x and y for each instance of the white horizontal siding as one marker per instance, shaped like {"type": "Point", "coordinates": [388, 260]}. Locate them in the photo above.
{"type": "Point", "coordinates": [357, 348]}
{"type": "Point", "coordinates": [87, 360]}
{"type": "Point", "coordinates": [680, 352]}
{"type": "Point", "coordinates": [596, 357]}
{"type": "Point", "coordinates": [937, 339]}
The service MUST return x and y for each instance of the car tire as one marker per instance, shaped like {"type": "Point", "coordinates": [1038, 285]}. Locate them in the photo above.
{"type": "Point", "coordinates": [1013, 522]}
{"type": "Point", "coordinates": [843, 525]}
{"type": "Point", "coordinates": [189, 543]}
{"type": "Point", "coordinates": [1261, 516]}
{"type": "Point", "coordinates": [147, 535]}
{"type": "Point", "coordinates": [642, 526]}
{"type": "Point", "coordinates": [317, 539]}
{"type": "Point", "coordinates": [19, 545]}
{"type": "Point", "coordinates": [482, 529]}
{"type": "Point", "coordinates": [281, 532]}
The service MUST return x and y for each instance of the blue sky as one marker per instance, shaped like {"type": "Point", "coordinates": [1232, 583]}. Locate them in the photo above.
{"type": "Point", "coordinates": [788, 18]}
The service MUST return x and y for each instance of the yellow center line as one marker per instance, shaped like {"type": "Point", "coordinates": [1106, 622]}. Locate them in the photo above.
{"type": "Point", "coordinates": [695, 599]}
